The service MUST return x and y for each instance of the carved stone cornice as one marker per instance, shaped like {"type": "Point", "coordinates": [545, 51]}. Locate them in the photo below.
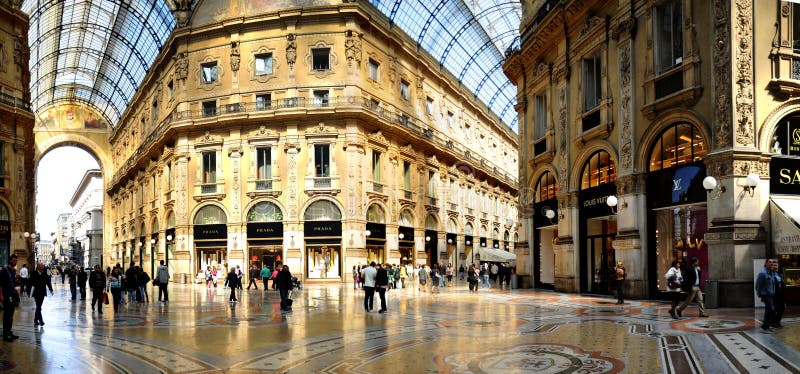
{"type": "Point", "coordinates": [631, 184]}
{"type": "Point", "coordinates": [624, 28]}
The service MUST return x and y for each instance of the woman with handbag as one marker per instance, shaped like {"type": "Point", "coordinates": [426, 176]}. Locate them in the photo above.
{"type": "Point", "coordinates": [674, 280]}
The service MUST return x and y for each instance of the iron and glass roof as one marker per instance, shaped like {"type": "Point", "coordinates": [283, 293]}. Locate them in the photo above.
{"type": "Point", "coordinates": [469, 38]}
{"type": "Point", "coordinates": [93, 51]}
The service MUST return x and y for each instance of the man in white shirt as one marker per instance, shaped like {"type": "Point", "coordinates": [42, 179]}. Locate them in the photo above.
{"type": "Point", "coordinates": [368, 275]}
{"type": "Point", "coordinates": [24, 285]}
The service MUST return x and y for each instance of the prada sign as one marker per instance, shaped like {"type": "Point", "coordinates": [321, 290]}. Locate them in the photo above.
{"type": "Point", "coordinates": [259, 230]}
{"type": "Point", "coordinates": [784, 175]}
{"type": "Point", "coordinates": [322, 228]}
{"type": "Point", "coordinates": [204, 232]}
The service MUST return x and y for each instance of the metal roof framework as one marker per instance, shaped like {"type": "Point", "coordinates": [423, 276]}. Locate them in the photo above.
{"type": "Point", "coordinates": [469, 38]}
{"type": "Point", "coordinates": [93, 51]}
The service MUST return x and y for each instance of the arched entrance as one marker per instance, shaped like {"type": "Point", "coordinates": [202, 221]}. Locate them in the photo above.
{"type": "Point", "coordinates": [597, 227]}
{"type": "Point", "coordinates": [376, 234]}
{"type": "Point", "coordinates": [265, 235]}
{"type": "Point", "coordinates": [210, 239]}
{"type": "Point", "coordinates": [323, 239]}
{"type": "Point", "coordinates": [405, 237]}
{"type": "Point", "coordinates": [432, 239]}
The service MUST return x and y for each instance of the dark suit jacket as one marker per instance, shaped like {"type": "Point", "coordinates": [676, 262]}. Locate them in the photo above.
{"type": "Point", "coordinates": [689, 278]}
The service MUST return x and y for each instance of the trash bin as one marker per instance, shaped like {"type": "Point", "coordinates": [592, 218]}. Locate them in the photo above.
{"type": "Point", "coordinates": [183, 278]}
{"type": "Point", "coordinates": [712, 294]}
{"type": "Point", "coordinates": [514, 281]}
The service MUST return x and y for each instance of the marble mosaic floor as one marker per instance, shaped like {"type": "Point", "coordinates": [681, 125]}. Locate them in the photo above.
{"type": "Point", "coordinates": [495, 331]}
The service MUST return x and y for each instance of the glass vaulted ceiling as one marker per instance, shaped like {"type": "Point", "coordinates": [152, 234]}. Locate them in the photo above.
{"type": "Point", "coordinates": [469, 38]}
{"type": "Point", "coordinates": [93, 51]}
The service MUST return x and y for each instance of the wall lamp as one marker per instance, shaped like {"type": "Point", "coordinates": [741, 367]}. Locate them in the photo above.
{"type": "Point", "coordinates": [401, 236]}
{"type": "Point", "coordinates": [751, 182]}
{"type": "Point", "coordinates": [469, 242]}
{"type": "Point", "coordinates": [449, 241]}
{"type": "Point", "coordinates": [169, 238]}
{"type": "Point", "coordinates": [549, 213]}
{"type": "Point", "coordinates": [613, 203]}
{"type": "Point", "coordinates": [427, 238]}
{"type": "Point", "coordinates": [710, 184]}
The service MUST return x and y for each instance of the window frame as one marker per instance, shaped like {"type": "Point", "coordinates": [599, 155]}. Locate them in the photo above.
{"type": "Point", "coordinates": [322, 168]}
{"type": "Point", "coordinates": [208, 171]}
{"type": "Point", "coordinates": [659, 47]}
{"type": "Point", "coordinates": [321, 97]}
{"type": "Point", "coordinates": [266, 101]}
{"type": "Point", "coordinates": [263, 162]}
{"type": "Point", "coordinates": [265, 56]}
{"type": "Point", "coordinates": [586, 171]}
{"type": "Point", "coordinates": [539, 116]}
{"type": "Point", "coordinates": [315, 54]}
{"type": "Point", "coordinates": [376, 165]}
{"type": "Point", "coordinates": [209, 72]}
{"type": "Point", "coordinates": [595, 62]}
{"type": "Point", "coordinates": [373, 70]}
{"type": "Point", "coordinates": [404, 90]}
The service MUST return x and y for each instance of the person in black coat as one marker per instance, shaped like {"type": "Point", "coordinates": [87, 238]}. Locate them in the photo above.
{"type": "Point", "coordinates": [691, 285]}
{"type": "Point", "coordinates": [284, 283]}
{"type": "Point", "coordinates": [232, 280]}
{"type": "Point", "coordinates": [82, 278]}
{"type": "Point", "coordinates": [97, 282]}
{"type": "Point", "coordinates": [381, 283]}
{"type": "Point", "coordinates": [40, 282]}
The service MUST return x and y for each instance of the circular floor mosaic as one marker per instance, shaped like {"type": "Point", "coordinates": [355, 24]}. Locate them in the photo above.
{"type": "Point", "coordinates": [714, 325]}
{"type": "Point", "coordinates": [539, 358]}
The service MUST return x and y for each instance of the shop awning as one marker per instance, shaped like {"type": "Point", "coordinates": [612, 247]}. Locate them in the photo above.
{"type": "Point", "coordinates": [496, 255]}
{"type": "Point", "coordinates": [785, 219]}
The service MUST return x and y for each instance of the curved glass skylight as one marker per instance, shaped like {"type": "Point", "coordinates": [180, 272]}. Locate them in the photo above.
{"type": "Point", "coordinates": [469, 38]}
{"type": "Point", "coordinates": [93, 51]}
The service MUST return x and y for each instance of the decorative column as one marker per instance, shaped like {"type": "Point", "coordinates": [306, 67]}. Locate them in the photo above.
{"type": "Point", "coordinates": [183, 235]}
{"type": "Point", "coordinates": [566, 261]}
{"type": "Point", "coordinates": [236, 241]}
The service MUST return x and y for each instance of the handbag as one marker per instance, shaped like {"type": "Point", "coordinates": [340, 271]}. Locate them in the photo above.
{"type": "Point", "coordinates": [156, 282]}
{"type": "Point", "coordinates": [105, 297]}
{"type": "Point", "coordinates": [673, 282]}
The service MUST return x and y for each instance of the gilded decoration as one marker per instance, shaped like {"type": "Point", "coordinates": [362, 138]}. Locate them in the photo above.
{"type": "Point", "coordinates": [722, 76]}
{"type": "Point", "coordinates": [744, 68]}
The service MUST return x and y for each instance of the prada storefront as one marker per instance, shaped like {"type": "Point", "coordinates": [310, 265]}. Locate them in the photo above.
{"type": "Point", "coordinates": [677, 218]}
{"type": "Point", "coordinates": [265, 235]}
{"type": "Point", "coordinates": [323, 240]}
{"type": "Point", "coordinates": [376, 235]}
{"type": "Point", "coordinates": [210, 239]}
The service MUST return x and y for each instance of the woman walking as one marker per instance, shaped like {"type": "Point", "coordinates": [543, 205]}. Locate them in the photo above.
{"type": "Point", "coordinates": [40, 282]}
{"type": "Point", "coordinates": [232, 280]}
{"type": "Point", "coordinates": [674, 280]}
{"type": "Point", "coordinates": [355, 278]}
{"type": "Point", "coordinates": [115, 286]}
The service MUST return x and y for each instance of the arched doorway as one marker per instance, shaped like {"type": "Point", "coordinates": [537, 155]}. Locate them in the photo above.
{"type": "Point", "coordinates": [451, 243]}
{"type": "Point", "coordinates": [265, 235]}
{"type": "Point", "coordinates": [210, 239]}
{"type": "Point", "coordinates": [376, 234]}
{"type": "Point", "coordinates": [598, 226]}
{"type": "Point", "coordinates": [677, 217]}
{"type": "Point", "coordinates": [322, 230]}
{"type": "Point", "coordinates": [169, 241]}
{"type": "Point", "coordinates": [545, 230]}
{"type": "Point", "coordinates": [405, 237]}
{"type": "Point", "coordinates": [432, 239]}
{"type": "Point", "coordinates": [469, 251]}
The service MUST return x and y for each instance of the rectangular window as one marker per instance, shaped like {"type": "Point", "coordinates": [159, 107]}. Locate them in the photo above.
{"type": "Point", "coordinates": [209, 108]}
{"type": "Point", "coordinates": [209, 72]}
{"type": "Point", "coordinates": [373, 69]}
{"type": "Point", "coordinates": [263, 163]}
{"type": "Point", "coordinates": [429, 106]}
{"type": "Point", "coordinates": [321, 98]}
{"type": "Point", "coordinates": [452, 190]}
{"type": "Point", "coordinates": [169, 177]}
{"type": "Point", "coordinates": [322, 160]}
{"type": "Point", "coordinates": [540, 116]}
{"type": "Point", "coordinates": [171, 89]}
{"type": "Point", "coordinates": [450, 119]}
{"type": "Point", "coordinates": [668, 35]}
{"type": "Point", "coordinates": [591, 82]}
{"type": "Point", "coordinates": [154, 111]}
{"type": "Point", "coordinates": [320, 58]}
{"type": "Point", "coordinates": [376, 166]}
{"type": "Point", "coordinates": [209, 167]}
{"type": "Point", "coordinates": [264, 64]}
{"type": "Point", "coordinates": [155, 190]}
{"type": "Point", "coordinates": [406, 175]}
{"type": "Point", "coordinates": [432, 184]}
{"type": "Point", "coordinates": [264, 101]}
{"type": "Point", "coordinates": [404, 89]}
{"type": "Point", "coordinates": [796, 27]}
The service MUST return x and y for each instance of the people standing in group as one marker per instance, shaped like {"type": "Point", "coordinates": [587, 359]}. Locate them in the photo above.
{"type": "Point", "coordinates": [40, 282]}
{"type": "Point", "coordinates": [232, 280]}
{"type": "Point", "coordinates": [162, 276]}
{"type": "Point", "coordinates": [8, 283]}
{"type": "Point", "coordinates": [24, 279]}
{"type": "Point", "coordinates": [115, 286]}
{"type": "Point", "coordinates": [253, 275]}
{"type": "Point", "coordinates": [266, 273]}
{"type": "Point", "coordinates": [779, 300]}
{"type": "Point", "coordinates": [765, 289]}
{"type": "Point", "coordinates": [381, 284]}
{"type": "Point", "coordinates": [472, 279]}
{"type": "Point", "coordinates": [368, 274]}
{"type": "Point", "coordinates": [619, 281]}
{"type": "Point", "coordinates": [97, 281]}
{"type": "Point", "coordinates": [82, 278]}
{"type": "Point", "coordinates": [674, 281]}
{"type": "Point", "coordinates": [422, 275]}
{"type": "Point", "coordinates": [691, 285]}
{"type": "Point", "coordinates": [131, 284]}
{"type": "Point", "coordinates": [283, 282]}
{"type": "Point", "coordinates": [144, 280]}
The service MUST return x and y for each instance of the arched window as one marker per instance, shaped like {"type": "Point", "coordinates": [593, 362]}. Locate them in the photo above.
{"type": "Point", "coordinates": [679, 144]}
{"type": "Point", "coordinates": [406, 219]}
{"type": "Point", "coordinates": [452, 226]}
{"type": "Point", "coordinates": [495, 234]}
{"type": "Point", "coordinates": [516, 237]}
{"type": "Point", "coordinates": [506, 235]}
{"type": "Point", "coordinates": [265, 211]}
{"type": "Point", "coordinates": [484, 231]}
{"type": "Point", "coordinates": [598, 170]}
{"type": "Point", "coordinates": [210, 215]}
{"type": "Point", "coordinates": [170, 220]}
{"type": "Point", "coordinates": [4, 212]}
{"type": "Point", "coordinates": [431, 223]}
{"type": "Point", "coordinates": [375, 214]}
{"type": "Point", "coordinates": [468, 229]}
{"type": "Point", "coordinates": [154, 226]}
{"type": "Point", "coordinates": [323, 210]}
{"type": "Point", "coordinates": [545, 187]}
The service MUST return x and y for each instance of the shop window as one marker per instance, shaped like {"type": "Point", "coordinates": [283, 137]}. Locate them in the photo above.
{"type": "Point", "coordinates": [373, 69]}
{"type": "Point", "coordinates": [546, 187]}
{"type": "Point", "coordinates": [322, 210]}
{"type": "Point", "coordinates": [209, 72]}
{"type": "Point", "coordinates": [210, 215]}
{"type": "Point", "coordinates": [598, 170]}
{"type": "Point", "coordinates": [679, 144]}
{"type": "Point", "coordinates": [264, 163]}
{"type": "Point", "coordinates": [320, 59]}
{"type": "Point", "coordinates": [264, 101]}
{"type": "Point", "coordinates": [592, 85]}
{"type": "Point", "coordinates": [375, 214]}
{"type": "Point", "coordinates": [264, 64]}
{"type": "Point", "coordinates": [322, 160]}
{"type": "Point", "coordinates": [668, 35]}
{"type": "Point", "coordinates": [265, 211]}
{"type": "Point", "coordinates": [404, 89]}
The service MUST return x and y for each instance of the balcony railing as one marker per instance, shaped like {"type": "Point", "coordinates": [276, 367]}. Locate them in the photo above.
{"type": "Point", "coordinates": [264, 185]}
{"type": "Point", "coordinates": [14, 101]}
{"type": "Point", "coordinates": [208, 188]}
{"type": "Point", "coordinates": [322, 182]}
{"type": "Point", "coordinates": [408, 195]}
{"type": "Point", "coordinates": [377, 187]}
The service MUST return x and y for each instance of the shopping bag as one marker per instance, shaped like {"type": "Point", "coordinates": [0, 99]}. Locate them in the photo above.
{"type": "Point", "coordinates": [105, 297]}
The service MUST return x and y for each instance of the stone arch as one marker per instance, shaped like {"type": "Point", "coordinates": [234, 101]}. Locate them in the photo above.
{"type": "Point", "coordinates": [583, 157]}
{"type": "Point", "coordinates": [411, 218]}
{"type": "Point", "coordinates": [470, 231]}
{"type": "Point", "coordinates": [770, 123]}
{"type": "Point", "coordinates": [46, 142]}
{"type": "Point", "coordinates": [657, 127]}
{"type": "Point", "coordinates": [312, 202]}
{"type": "Point", "coordinates": [376, 209]}
{"type": "Point", "coordinates": [252, 204]}
{"type": "Point", "coordinates": [214, 204]}
{"type": "Point", "coordinates": [432, 222]}
{"type": "Point", "coordinates": [452, 226]}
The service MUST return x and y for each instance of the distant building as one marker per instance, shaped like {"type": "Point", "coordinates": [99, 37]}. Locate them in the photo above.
{"type": "Point", "coordinates": [44, 252]}
{"type": "Point", "coordinates": [63, 233]}
{"type": "Point", "coordinates": [86, 240]}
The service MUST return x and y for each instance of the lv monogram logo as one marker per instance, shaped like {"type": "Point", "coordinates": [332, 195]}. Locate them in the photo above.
{"type": "Point", "coordinates": [676, 184]}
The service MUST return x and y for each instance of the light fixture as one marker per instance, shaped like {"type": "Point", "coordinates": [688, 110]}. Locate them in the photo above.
{"type": "Point", "coordinates": [169, 237]}
{"type": "Point", "coordinates": [549, 213]}
{"type": "Point", "coordinates": [26, 234]}
{"type": "Point", "coordinates": [751, 182]}
{"type": "Point", "coordinates": [449, 241]}
{"type": "Point", "coordinates": [496, 245]}
{"type": "Point", "coordinates": [469, 242]}
{"type": "Point", "coordinates": [427, 238]}
{"type": "Point", "coordinates": [710, 184]}
{"type": "Point", "coordinates": [140, 244]}
{"type": "Point", "coordinates": [613, 202]}
{"type": "Point", "coordinates": [401, 236]}
{"type": "Point", "coordinates": [483, 245]}
{"type": "Point", "coordinates": [152, 241]}
{"type": "Point", "coordinates": [368, 233]}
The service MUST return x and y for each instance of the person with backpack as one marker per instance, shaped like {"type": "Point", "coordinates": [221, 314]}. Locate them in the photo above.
{"type": "Point", "coordinates": [162, 276]}
{"type": "Point", "coordinates": [144, 279]}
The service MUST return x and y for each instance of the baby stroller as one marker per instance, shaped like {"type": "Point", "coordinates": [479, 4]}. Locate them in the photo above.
{"type": "Point", "coordinates": [297, 284]}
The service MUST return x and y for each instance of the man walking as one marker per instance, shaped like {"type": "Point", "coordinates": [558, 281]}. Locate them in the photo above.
{"type": "Point", "coordinates": [72, 277]}
{"type": "Point", "coordinates": [368, 275]}
{"type": "Point", "coordinates": [8, 281]}
{"type": "Point", "coordinates": [82, 277]}
{"type": "Point", "coordinates": [253, 276]}
{"type": "Point", "coordinates": [97, 281]}
{"type": "Point", "coordinates": [691, 285]}
{"type": "Point", "coordinates": [765, 288]}
{"type": "Point", "coordinates": [162, 275]}
{"type": "Point", "coordinates": [265, 274]}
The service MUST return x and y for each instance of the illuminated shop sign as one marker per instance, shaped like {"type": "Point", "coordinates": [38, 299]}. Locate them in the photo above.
{"type": "Point", "coordinates": [216, 231]}
{"type": "Point", "coordinates": [784, 175]}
